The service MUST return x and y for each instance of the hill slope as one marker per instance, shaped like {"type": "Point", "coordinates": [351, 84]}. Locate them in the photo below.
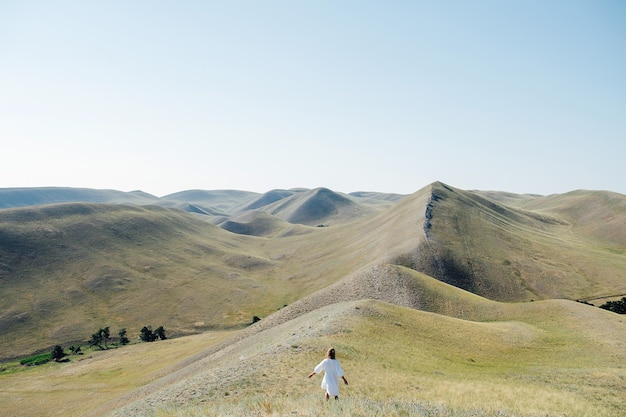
{"type": "Point", "coordinates": [504, 362]}
{"type": "Point", "coordinates": [71, 269]}
{"type": "Point", "coordinates": [313, 207]}
{"type": "Point", "coordinates": [555, 357]}
{"type": "Point", "coordinates": [425, 278]}
{"type": "Point", "coordinates": [23, 197]}
{"type": "Point", "coordinates": [509, 253]}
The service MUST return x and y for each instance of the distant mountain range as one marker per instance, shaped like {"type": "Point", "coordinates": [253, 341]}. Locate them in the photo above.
{"type": "Point", "coordinates": [229, 207]}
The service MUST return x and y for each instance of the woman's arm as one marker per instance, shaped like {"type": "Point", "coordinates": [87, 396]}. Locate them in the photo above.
{"type": "Point", "coordinates": [311, 374]}
{"type": "Point", "coordinates": [345, 381]}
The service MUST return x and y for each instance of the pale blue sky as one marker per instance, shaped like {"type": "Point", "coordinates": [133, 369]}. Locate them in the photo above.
{"type": "Point", "coordinates": [520, 96]}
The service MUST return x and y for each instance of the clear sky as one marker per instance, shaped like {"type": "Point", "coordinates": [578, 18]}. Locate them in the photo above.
{"type": "Point", "coordinates": [164, 96]}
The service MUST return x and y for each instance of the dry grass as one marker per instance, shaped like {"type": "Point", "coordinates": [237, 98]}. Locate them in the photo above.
{"type": "Point", "coordinates": [76, 388]}
{"type": "Point", "coordinates": [71, 269]}
{"type": "Point", "coordinates": [532, 362]}
{"type": "Point", "coordinates": [314, 406]}
{"type": "Point", "coordinates": [537, 359]}
{"type": "Point", "coordinates": [82, 267]}
{"type": "Point", "coordinates": [542, 248]}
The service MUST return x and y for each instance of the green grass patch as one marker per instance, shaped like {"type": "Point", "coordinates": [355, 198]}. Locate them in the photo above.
{"type": "Point", "coordinates": [36, 360]}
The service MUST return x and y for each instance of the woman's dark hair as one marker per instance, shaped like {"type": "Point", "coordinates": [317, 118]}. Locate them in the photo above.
{"type": "Point", "coordinates": [331, 353]}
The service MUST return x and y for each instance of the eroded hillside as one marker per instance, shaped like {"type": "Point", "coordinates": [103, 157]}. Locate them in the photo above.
{"type": "Point", "coordinates": [541, 248]}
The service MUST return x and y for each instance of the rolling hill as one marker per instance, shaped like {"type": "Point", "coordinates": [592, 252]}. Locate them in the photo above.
{"type": "Point", "coordinates": [553, 357]}
{"type": "Point", "coordinates": [23, 197]}
{"type": "Point", "coordinates": [545, 248]}
{"type": "Point", "coordinates": [436, 272]}
{"type": "Point", "coordinates": [506, 351]}
{"type": "Point", "coordinates": [72, 268]}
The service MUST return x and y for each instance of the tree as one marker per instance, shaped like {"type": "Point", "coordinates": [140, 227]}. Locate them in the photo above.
{"type": "Point", "coordinates": [146, 334]}
{"type": "Point", "coordinates": [57, 353]}
{"type": "Point", "coordinates": [100, 337]}
{"type": "Point", "coordinates": [75, 350]}
{"type": "Point", "coordinates": [618, 307]}
{"type": "Point", "coordinates": [106, 335]}
{"type": "Point", "coordinates": [96, 340]}
{"type": "Point", "coordinates": [123, 339]}
{"type": "Point", "coordinates": [160, 332]}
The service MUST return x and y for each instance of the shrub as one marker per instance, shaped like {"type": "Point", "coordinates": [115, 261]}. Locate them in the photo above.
{"type": "Point", "coordinates": [160, 332]}
{"type": "Point", "coordinates": [100, 337]}
{"type": "Point", "coordinates": [618, 307]}
{"type": "Point", "coordinates": [57, 353]}
{"type": "Point", "coordinates": [36, 360]}
{"type": "Point", "coordinates": [123, 339]}
{"type": "Point", "coordinates": [147, 335]}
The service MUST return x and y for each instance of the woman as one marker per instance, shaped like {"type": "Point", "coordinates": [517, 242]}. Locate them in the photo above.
{"type": "Point", "coordinates": [332, 373]}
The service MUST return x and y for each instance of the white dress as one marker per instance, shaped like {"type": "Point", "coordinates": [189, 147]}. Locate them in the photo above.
{"type": "Point", "coordinates": [332, 373]}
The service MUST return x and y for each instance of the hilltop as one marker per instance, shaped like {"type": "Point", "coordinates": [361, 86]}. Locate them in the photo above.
{"type": "Point", "coordinates": [299, 206]}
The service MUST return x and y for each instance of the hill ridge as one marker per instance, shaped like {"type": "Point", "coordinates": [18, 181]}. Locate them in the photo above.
{"type": "Point", "coordinates": [87, 255]}
{"type": "Point", "coordinates": [324, 313]}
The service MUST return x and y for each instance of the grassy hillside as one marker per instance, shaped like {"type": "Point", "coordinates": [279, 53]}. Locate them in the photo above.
{"type": "Point", "coordinates": [317, 207]}
{"type": "Point", "coordinates": [260, 223]}
{"type": "Point", "coordinates": [76, 388]}
{"type": "Point", "coordinates": [531, 359]}
{"type": "Point", "coordinates": [211, 201]}
{"type": "Point", "coordinates": [554, 357]}
{"type": "Point", "coordinates": [546, 247]}
{"type": "Point", "coordinates": [411, 295]}
{"type": "Point", "coordinates": [23, 197]}
{"type": "Point", "coordinates": [67, 270]}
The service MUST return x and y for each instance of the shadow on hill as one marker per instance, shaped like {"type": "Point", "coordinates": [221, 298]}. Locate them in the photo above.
{"type": "Point", "coordinates": [259, 223]}
{"type": "Point", "coordinates": [446, 325]}
{"type": "Point", "coordinates": [318, 206]}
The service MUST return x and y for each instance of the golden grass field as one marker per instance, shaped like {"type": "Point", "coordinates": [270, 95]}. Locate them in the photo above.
{"type": "Point", "coordinates": [447, 303]}
{"type": "Point", "coordinates": [537, 359]}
